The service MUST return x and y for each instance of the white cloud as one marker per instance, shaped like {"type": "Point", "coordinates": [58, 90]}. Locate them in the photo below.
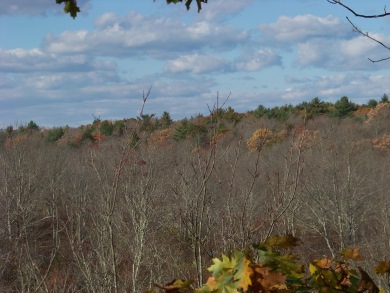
{"type": "Point", "coordinates": [359, 87]}
{"type": "Point", "coordinates": [218, 9]}
{"type": "Point", "coordinates": [197, 64]}
{"type": "Point", "coordinates": [324, 42]}
{"type": "Point", "coordinates": [35, 60]}
{"type": "Point", "coordinates": [343, 54]}
{"type": "Point", "coordinates": [255, 61]}
{"type": "Point", "coordinates": [302, 27]}
{"type": "Point", "coordinates": [35, 7]}
{"type": "Point", "coordinates": [135, 34]}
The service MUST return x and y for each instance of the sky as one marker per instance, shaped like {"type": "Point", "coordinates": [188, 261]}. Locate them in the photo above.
{"type": "Point", "coordinates": [60, 71]}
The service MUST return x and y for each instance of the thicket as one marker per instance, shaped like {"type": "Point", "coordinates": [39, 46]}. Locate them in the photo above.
{"type": "Point", "coordinates": [129, 210]}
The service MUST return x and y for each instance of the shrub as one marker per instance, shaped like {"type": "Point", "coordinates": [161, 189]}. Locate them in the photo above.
{"type": "Point", "coordinates": [372, 103]}
{"type": "Point", "coordinates": [88, 133]}
{"type": "Point", "coordinates": [106, 128]}
{"type": "Point", "coordinates": [9, 130]}
{"type": "Point", "coordinates": [260, 138]}
{"type": "Point", "coordinates": [55, 134]}
{"type": "Point", "coordinates": [134, 139]}
{"type": "Point", "coordinates": [119, 127]}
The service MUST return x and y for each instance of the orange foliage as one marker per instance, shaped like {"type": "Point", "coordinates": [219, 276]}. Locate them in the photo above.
{"type": "Point", "coordinates": [216, 137]}
{"type": "Point", "coordinates": [362, 111]}
{"type": "Point", "coordinates": [77, 138]}
{"type": "Point", "coordinates": [10, 142]}
{"type": "Point", "coordinates": [381, 110]}
{"type": "Point", "coordinates": [98, 136]}
{"type": "Point", "coordinates": [160, 137]}
{"type": "Point", "coordinates": [382, 143]}
{"type": "Point", "coordinates": [260, 138]}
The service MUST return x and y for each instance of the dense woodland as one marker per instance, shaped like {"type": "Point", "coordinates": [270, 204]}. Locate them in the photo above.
{"type": "Point", "coordinates": [116, 206]}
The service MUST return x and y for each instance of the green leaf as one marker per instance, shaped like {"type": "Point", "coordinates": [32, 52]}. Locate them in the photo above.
{"type": "Point", "coordinates": [243, 271]}
{"type": "Point", "coordinates": [221, 266]}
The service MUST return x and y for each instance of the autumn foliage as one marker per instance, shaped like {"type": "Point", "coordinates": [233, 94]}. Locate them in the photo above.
{"type": "Point", "coordinates": [261, 138]}
{"type": "Point", "coordinates": [267, 267]}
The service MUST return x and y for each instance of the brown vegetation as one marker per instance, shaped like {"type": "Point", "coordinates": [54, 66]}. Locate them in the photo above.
{"type": "Point", "coordinates": [87, 214]}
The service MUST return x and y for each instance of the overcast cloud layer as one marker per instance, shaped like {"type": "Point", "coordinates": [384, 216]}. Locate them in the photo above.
{"type": "Point", "coordinates": [102, 65]}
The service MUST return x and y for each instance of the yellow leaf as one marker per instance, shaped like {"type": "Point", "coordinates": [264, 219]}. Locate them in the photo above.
{"type": "Point", "coordinates": [312, 269]}
{"type": "Point", "coordinates": [211, 283]}
{"type": "Point", "coordinates": [244, 272]}
{"type": "Point", "coordinates": [383, 267]}
{"type": "Point", "coordinates": [353, 254]}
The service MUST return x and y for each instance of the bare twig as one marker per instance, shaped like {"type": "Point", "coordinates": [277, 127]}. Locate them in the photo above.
{"type": "Point", "coordinates": [358, 14]}
{"type": "Point", "coordinates": [356, 29]}
{"type": "Point", "coordinates": [367, 35]}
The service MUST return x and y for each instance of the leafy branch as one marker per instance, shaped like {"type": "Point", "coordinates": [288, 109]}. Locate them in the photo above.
{"type": "Point", "coordinates": [268, 268]}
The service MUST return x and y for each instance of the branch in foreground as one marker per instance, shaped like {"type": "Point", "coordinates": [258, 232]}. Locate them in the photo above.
{"type": "Point", "coordinates": [358, 14]}
{"type": "Point", "coordinates": [356, 29]}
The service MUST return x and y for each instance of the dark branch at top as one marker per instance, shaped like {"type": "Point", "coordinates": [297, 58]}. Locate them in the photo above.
{"type": "Point", "coordinates": [358, 14]}
{"type": "Point", "coordinates": [356, 29]}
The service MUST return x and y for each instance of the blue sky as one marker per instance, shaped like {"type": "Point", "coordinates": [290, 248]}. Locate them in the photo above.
{"type": "Point", "coordinates": [58, 71]}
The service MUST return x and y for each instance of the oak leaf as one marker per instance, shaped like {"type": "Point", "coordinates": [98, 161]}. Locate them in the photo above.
{"type": "Point", "coordinates": [383, 267]}
{"type": "Point", "coordinates": [353, 254]}
{"type": "Point", "coordinates": [243, 271]}
{"type": "Point", "coordinates": [269, 280]}
{"type": "Point", "coordinates": [323, 263]}
{"type": "Point", "coordinates": [221, 266]}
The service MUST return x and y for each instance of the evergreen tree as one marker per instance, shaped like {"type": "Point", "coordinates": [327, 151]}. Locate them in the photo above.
{"type": "Point", "coordinates": [372, 103]}
{"type": "Point", "coordinates": [32, 126]}
{"type": "Point", "coordinates": [316, 107]}
{"type": "Point", "coordinates": [344, 107]}
{"type": "Point", "coordinates": [385, 99]}
{"type": "Point", "coordinates": [165, 120]}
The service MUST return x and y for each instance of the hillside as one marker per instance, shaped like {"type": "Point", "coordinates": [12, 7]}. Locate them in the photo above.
{"type": "Point", "coordinates": [120, 205]}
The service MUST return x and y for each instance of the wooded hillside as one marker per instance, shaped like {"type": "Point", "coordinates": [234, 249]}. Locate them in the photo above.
{"type": "Point", "coordinates": [117, 206]}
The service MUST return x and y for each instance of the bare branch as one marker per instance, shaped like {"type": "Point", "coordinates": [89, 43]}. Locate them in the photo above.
{"type": "Point", "coordinates": [358, 14]}
{"type": "Point", "coordinates": [366, 34]}
{"type": "Point", "coordinates": [379, 60]}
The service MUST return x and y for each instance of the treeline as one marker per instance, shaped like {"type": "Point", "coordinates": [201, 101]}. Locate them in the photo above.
{"type": "Point", "coordinates": [101, 129]}
{"type": "Point", "coordinates": [119, 206]}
